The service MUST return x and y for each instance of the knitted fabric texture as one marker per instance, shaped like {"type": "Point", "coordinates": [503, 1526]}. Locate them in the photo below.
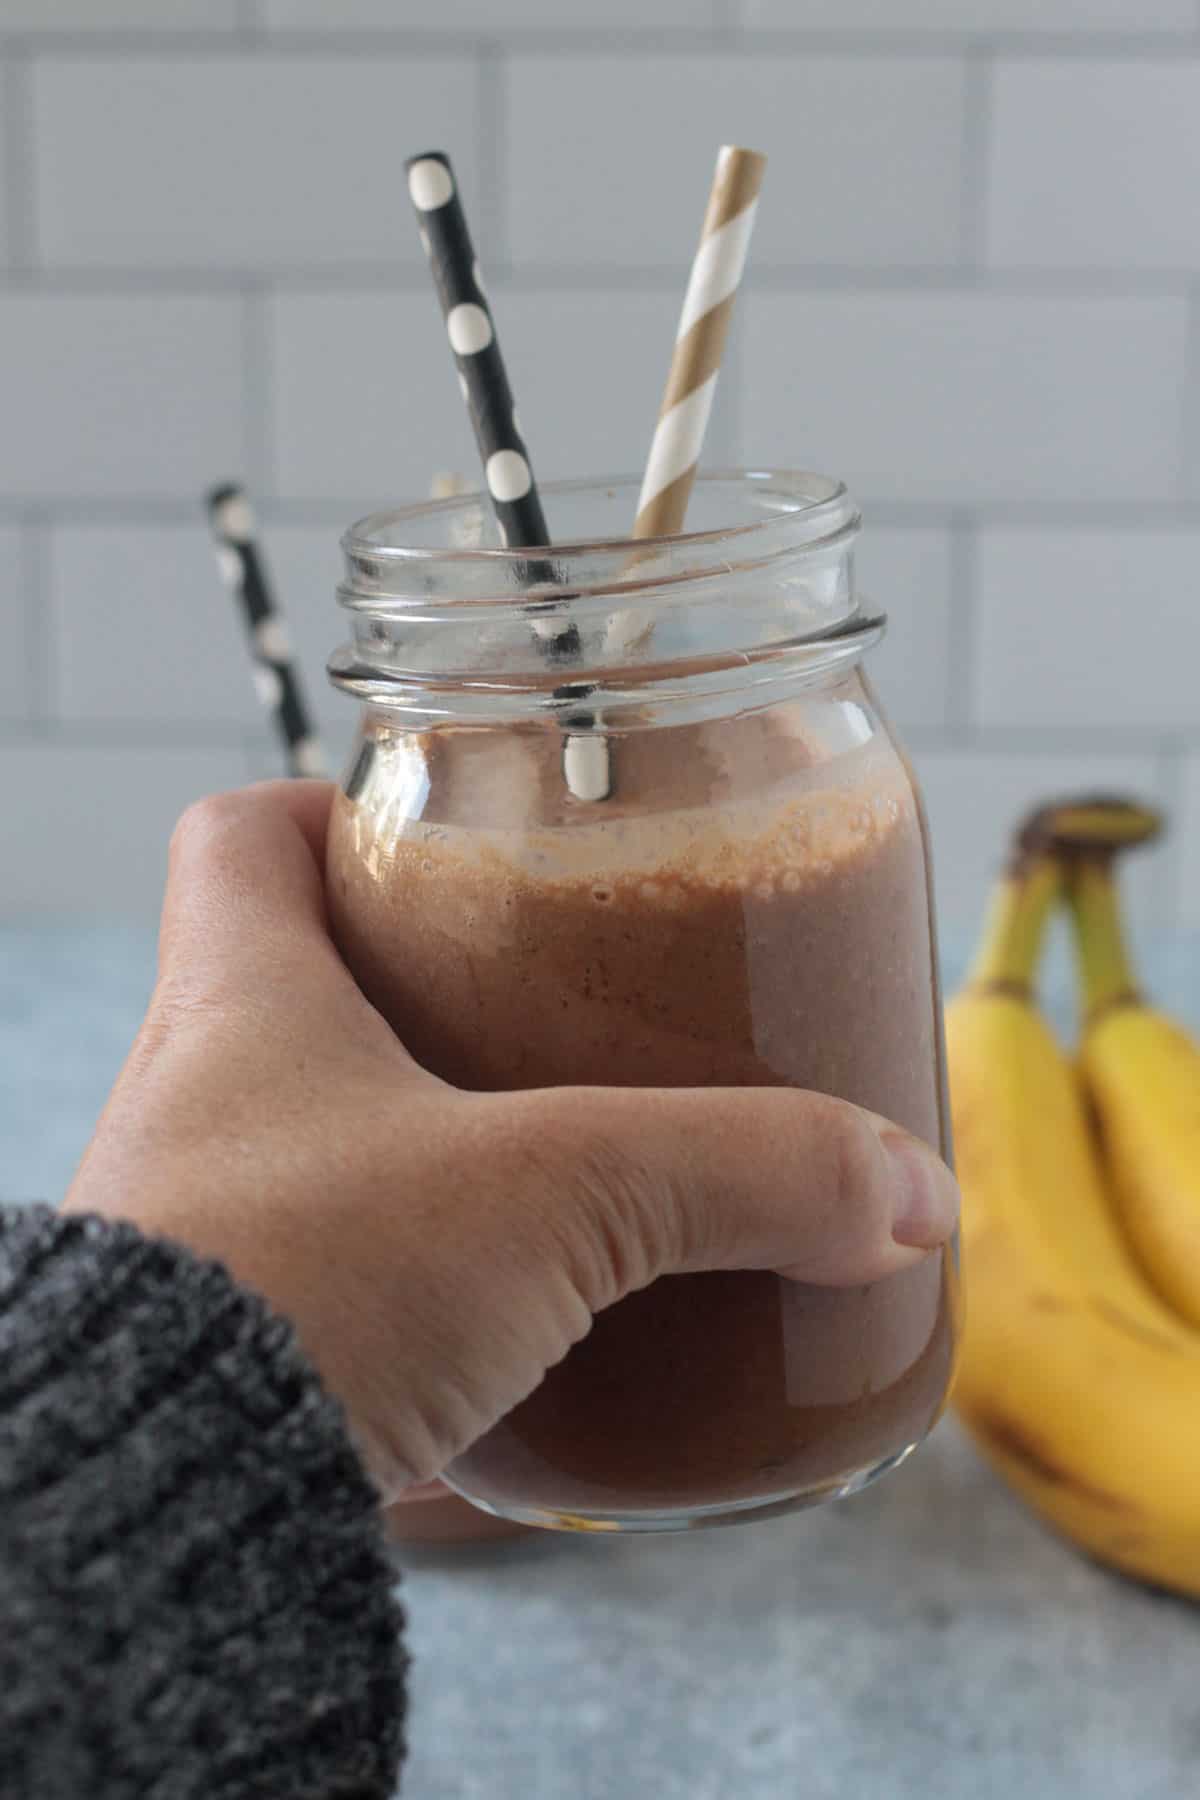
{"type": "Point", "coordinates": [194, 1592]}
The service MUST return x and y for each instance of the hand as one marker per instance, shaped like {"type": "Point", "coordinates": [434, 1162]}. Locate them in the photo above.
{"type": "Point", "coordinates": [436, 1250]}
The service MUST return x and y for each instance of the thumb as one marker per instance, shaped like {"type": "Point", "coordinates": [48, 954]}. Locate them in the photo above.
{"type": "Point", "coordinates": [682, 1180]}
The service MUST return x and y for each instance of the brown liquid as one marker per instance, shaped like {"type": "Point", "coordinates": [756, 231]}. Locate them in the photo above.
{"type": "Point", "coordinates": [677, 952]}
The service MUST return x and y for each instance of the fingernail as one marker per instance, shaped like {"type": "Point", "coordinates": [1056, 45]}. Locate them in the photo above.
{"type": "Point", "coordinates": [925, 1193]}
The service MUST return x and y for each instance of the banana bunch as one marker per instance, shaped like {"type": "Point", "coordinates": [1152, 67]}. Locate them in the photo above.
{"type": "Point", "coordinates": [1080, 1370]}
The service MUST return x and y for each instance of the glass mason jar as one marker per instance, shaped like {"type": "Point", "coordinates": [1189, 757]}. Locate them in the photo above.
{"type": "Point", "coordinates": [631, 814]}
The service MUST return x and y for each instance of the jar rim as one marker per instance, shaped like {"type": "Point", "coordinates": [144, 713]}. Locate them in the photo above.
{"type": "Point", "coordinates": [435, 546]}
{"type": "Point", "coordinates": [761, 595]}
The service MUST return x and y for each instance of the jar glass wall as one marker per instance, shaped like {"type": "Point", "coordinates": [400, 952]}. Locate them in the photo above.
{"type": "Point", "coordinates": [631, 814]}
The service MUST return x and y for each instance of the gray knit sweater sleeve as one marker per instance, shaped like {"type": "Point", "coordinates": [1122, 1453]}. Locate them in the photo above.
{"type": "Point", "coordinates": [195, 1600]}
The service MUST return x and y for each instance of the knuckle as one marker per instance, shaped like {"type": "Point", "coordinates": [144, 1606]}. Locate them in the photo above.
{"type": "Point", "coordinates": [202, 825]}
{"type": "Point", "coordinates": [623, 1220]}
{"type": "Point", "coordinates": [851, 1212]}
{"type": "Point", "coordinates": [186, 999]}
{"type": "Point", "coordinates": [608, 1219]}
{"type": "Point", "coordinates": [851, 1151]}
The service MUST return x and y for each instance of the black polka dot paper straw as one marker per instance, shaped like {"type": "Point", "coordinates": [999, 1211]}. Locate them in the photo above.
{"type": "Point", "coordinates": [276, 680]}
{"type": "Point", "coordinates": [485, 388]}
{"type": "Point", "coordinates": [472, 335]}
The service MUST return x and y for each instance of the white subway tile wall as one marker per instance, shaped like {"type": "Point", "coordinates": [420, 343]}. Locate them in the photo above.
{"type": "Point", "coordinates": [15, 660]}
{"type": "Point", "coordinates": [968, 396]}
{"type": "Point", "coordinates": [305, 566]}
{"type": "Point", "coordinates": [1115, 191]}
{"type": "Point", "coordinates": [869, 149]}
{"type": "Point", "coordinates": [118, 396]}
{"type": "Point", "coordinates": [84, 828]}
{"type": "Point", "coordinates": [361, 399]}
{"type": "Point", "coordinates": [1093, 626]}
{"type": "Point", "coordinates": [905, 572]}
{"type": "Point", "coordinates": [258, 162]}
{"type": "Point", "coordinates": [1189, 831]}
{"type": "Point", "coordinates": [970, 793]}
{"type": "Point", "coordinates": [365, 403]}
{"type": "Point", "coordinates": [145, 637]}
{"type": "Point", "coordinates": [7, 131]}
{"type": "Point", "coordinates": [98, 16]}
{"type": "Point", "coordinates": [142, 633]}
{"type": "Point", "coordinates": [974, 15]}
{"type": "Point", "coordinates": [486, 15]}
{"type": "Point", "coordinates": [974, 291]}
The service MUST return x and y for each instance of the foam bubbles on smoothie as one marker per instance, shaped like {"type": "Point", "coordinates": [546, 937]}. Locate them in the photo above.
{"type": "Point", "coordinates": [805, 822]}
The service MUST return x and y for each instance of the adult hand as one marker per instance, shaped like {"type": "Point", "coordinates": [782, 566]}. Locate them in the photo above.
{"type": "Point", "coordinates": [437, 1250]}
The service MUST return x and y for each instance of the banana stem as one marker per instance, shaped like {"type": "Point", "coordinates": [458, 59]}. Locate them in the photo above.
{"type": "Point", "coordinates": [1016, 925]}
{"type": "Point", "coordinates": [1105, 969]}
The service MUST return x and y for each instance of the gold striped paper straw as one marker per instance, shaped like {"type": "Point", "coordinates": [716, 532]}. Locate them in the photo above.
{"type": "Point", "coordinates": [700, 342]}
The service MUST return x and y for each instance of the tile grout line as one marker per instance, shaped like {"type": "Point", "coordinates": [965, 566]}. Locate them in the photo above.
{"type": "Point", "coordinates": [16, 112]}
{"type": "Point", "coordinates": [493, 153]}
{"type": "Point", "coordinates": [101, 734]}
{"type": "Point", "coordinates": [727, 20]}
{"type": "Point", "coordinates": [256, 750]}
{"type": "Point", "coordinates": [1169, 772]}
{"type": "Point", "coordinates": [734, 376]}
{"type": "Point", "coordinates": [962, 628]}
{"type": "Point", "coordinates": [978, 94]}
{"type": "Point", "coordinates": [63, 507]}
{"type": "Point", "coordinates": [492, 157]}
{"type": "Point", "coordinates": [903, 43]}
{"type": "Point", "coordinates": [720, 38]}
{"type": "Point", "coordinates": [110, 45]}
{"type": "Point", "coordinates": [1052, 741]}
{"type": "Point", "coordinates": [1188, 455]}
{"type": "Point", "coordinates": [840, 280]}
{"type": "Point", "coordinates": [257, 427]}
{"type": "Point", "coordinates": [40, 662]}
{"type": "Point", "coordinates": [1169, 748]}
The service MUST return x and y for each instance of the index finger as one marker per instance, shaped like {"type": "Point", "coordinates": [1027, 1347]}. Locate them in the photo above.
{"type": "Point", "coordinates": [245, 885]}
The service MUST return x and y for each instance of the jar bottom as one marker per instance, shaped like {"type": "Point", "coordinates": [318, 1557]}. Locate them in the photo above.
{"type": "Point", "coordinates": [447, 1519]}
{"type": "Point", "coordinates": [694, 1518]}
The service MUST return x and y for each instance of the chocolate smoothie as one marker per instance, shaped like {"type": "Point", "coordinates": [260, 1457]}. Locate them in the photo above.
{"type": "Point", "coordinates": [769, 926]}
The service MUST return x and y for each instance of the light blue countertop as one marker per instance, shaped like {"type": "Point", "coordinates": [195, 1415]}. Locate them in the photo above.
{"type": "Point", "coordinates": [925, 1641]}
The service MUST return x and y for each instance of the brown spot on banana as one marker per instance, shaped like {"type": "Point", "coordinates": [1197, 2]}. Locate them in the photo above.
{"type": "Point", "coordinates": [1126, 1543]}
{"type": "Point", "coordinates": [1049, 1303]}
{"type": "Point", "coordinates": [1145, 1334]}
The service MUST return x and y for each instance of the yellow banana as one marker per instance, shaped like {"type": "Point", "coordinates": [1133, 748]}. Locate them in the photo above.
{"type": "Point", "coordinates": [1141, 1070]}
{"type": "Point", "coordinates": [1076, 1382]}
